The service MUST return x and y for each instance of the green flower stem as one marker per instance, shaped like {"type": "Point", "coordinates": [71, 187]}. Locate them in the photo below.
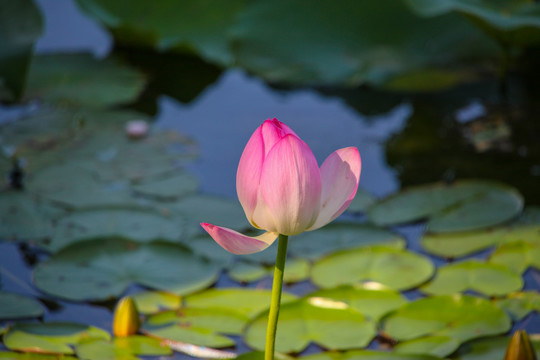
{"type": "Point", "coordinates": [276, 298]}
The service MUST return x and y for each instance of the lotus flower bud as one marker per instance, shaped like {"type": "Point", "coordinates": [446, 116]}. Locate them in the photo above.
{"type": "Point", "coordinates": [520, 347]}
{"type": "Point", "coordinates": [126, 318]}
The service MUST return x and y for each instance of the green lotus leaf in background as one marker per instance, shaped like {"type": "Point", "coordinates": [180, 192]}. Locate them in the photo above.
{"type": "Point", "coordinates": [518, 255]}
{"type": "Point", "coordinates": [372, 300]}
{"type": "Point", "coordinates": [376, 264]}
{"type": "Point", "coordinates": [80, 80]}
{"type": "Point", "coordinates": [133, 224]}
{"type": "Point", "coordinates": [100, 269]}
{"type": "Point", "coordinates": [520, 304]}
{"type": "Point", "coordinates": [464, 205]}
{"type": "Point", "coordinates": [20, 27]}
{"type": "Point", "coordinates": [191, 335]}
{"type": "Point", "coordinates": [249, 302]}
{"type": "Point", "coordinates": [329, 323]}
{"type": "Point", "coordinates": [11, 355]}
{"type": "Point", "coordinates": [367, 355]}
{"type": "Point", "coordinates": [168, 188]}
{"type": "Point", "coordinates": [490, 348]}
{"type": "Point", "coordinates": [511, 22]}
{"type": "Point", "coordinates": [461, 317]}
{"type": "Point", "coordinates": [50, 337]}
{"type": "Point", "coordinates": [486, 278]}
{"type": "Point", "coordinates": [429, 345]}
{"type": "Point", "coordinates": [149, 302]}
{"type": "Point", "coordinates": [125, 348]}
{"type": "Point", "coordinates": [15, 306]}
{"type": "Point", "coordinates": [297, 269]}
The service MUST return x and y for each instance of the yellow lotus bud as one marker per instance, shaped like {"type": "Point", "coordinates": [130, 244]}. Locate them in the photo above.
{"type": "Point", "coordinates": [520, 347]}
{"type": "Point", "coordinates": [126, 318]}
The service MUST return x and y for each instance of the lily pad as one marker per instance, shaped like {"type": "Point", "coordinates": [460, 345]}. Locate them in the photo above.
{"type": "Point", "coordinates": [249, 302]}
{"type": "Point", "coordinates": [21, 26]}
{"type": "Point", "coordinates": [125, 348]}
{"type": "Point", "coordinates": [465, 205]}
{"type": "Point", "coordinates": [429, 345]}
{"type": "Point", "coordinates": [331, 324]}
{"type": "Point", "coordinates": [150, 302]}
{"type": "Point", "coordinates": [192, 335]}
{"type": "Point", "coordinates": [367, 355]}
{"type": "Point", "coordinates": [464, 318]}
{"type": "Point", "coordinates": [79, 79]}
{"type": "Point", "coordinates": [489, 349]}
{"type": "Point", "coordinates": [362, 200]}
{"type": "Point", "coordinates": [50, 337]}
{"type": "Point", "coordinates": [520, 304]}
{"type": "Point", "coordinates": [137, 225]}
{"type": "Point", "coordinates": [371, 299]}
{"type": "Point", "coordinates": [517, 255]}
{"type": "Point", "coordinates": [376, 264]}
{"type": "Point", "coordinates": [11, 355]}
{"type": "Point", "coordinates": [486, 278]}
{"type": "Point", "coordinates": [296, 270]}
{"type": "Point", "coordinates": [15, 306]}
{"type": "Point", "coordinates": [465, 243]}
{"type": "Point", "coordinates": [168, 188]}
{"type": "Point", "coordinates": [101, 269]}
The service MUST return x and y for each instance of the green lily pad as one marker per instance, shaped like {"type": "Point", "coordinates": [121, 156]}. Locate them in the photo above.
{"type": "Point", "coordinates": [329, 323]}
{"type": "Point", "coordinates": [486, 278]}
{"type": "Point", "coordinates": [465, 205]}
{"type": "Point", "coordinates": [372, 300]}
{"type": "Point", "coordinates": [295, 270]}
{"type": "Point", "coordinates": [245, 301]}
{"type": "Point", "coordinates": [191, 335]}
{"type": "Point", "coordinates": [149, 302]}
{"type": "Point", "coordinates": [79, 79]}
{"type": "Point", "coordinates": [464, 318]}
{"type": "Point", "coordinates": [23, 218]}
{"type": "Point", "coordinates": [204, 245]}
{"type": "Point", "coordinates": [517, 255]}
{"type": "Point", "coordinates": [520, 304]}
{"type": "Point", "coordinates": [124, 348]}
{"type": "Point", "coordinates": [101, 269]}
{"type": "Point", "coordinates": [217, 320]}
{"type": "Point", "coordinates": [376, 264]}
{"type": "Point", "coordinates": [50, 337]}
{"type": "Point", "coordinates": [510, 22]}
{"type": "Point", "coordinates": [137, 225]}
{"type": "Point", "coordinates": [429, 345]}
{"type": "Point", "coordinates": [21, 26]}
{"type": "Point", "coordinates": [362, 200]}
{"type": "Point", "coordinates": [465, 243]}
{"type": "Point", "coordinates": [490, 348]}
{"type": "Point", "coordinates": [169, 188]}
{"type": "Point", "coordinates": [15, 306]}
{"type": "Point", "coordinates": [11, 355]}
{"type": "Point", "coordinates": [367, 355]}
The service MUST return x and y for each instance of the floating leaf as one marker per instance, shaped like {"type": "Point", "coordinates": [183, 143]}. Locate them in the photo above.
{"type": "Point", "coordinates": [464, 318]}
{"type": "Point", "coordinates": [141, 345]}
{"type": "Point", "coordinates": [245, 301]}
{"type": "Point", "coordinates": [329, 323]}
{"type": "Point", "coordinates": [125, 348]}
{"type": "Point", "coordinates": [79, 79]}
{"type": "Point", "coordinates": [362, 200]}
{"type": "Point", "coordinates": [520, 304]}
{"type": "Point", "coordinates": [21, 26]}
{"type": "Point", "coordinates": [489, 349]}
{"type": "Point", "coordinates": [14, 306]}
{"type": "Point", "coordinates": [465, 205]}
{"type": "Point", "coordinates": [101, 269]}
{"type": "Point", "coordinates": [485, 278]}
{"type": "Point", "coordinates": [50, 337]}
{"type": "Point", "coordinates": [372, 300]}
{"type": "Point", "coordinates": [377, 264]}
{"type": "Point", "coordinates": [191, 335]}
{"type": "Point", "coordinates": [149, 302]}
{"type": "Point", "coordinates": [169, 188]}
{"type": "Point", "coordinates": [518, 255]}
{"type": "Point", "coordinates": [295, 271]}
{"type": "Point", "coordinates": [367, 355]}
{"type": "Point", "coordinates": [429, 345]}
{"type": "Point", "coordinates": [137, 225]}
{"type": "Point", "coordinates": [9, 355]}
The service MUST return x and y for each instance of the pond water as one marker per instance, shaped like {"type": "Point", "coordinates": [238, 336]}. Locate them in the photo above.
{"type": "Point", "coordinates": [404, 139]}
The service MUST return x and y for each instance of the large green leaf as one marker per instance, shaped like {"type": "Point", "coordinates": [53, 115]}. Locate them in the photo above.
{"type": "Point", "coordinates": [81, 80]}
{"type": "Point", "coordinates": [149, 302]}
{"type": "Point", "coordinates": [122, 348]}
{"type": "Point", "coordinates": [372, 300]}
{"type": "Point", "coordinates": [464, 205]}
{"type": "Point", "coordinates": [376, 264]}
{"type": "Point", "coordinates": [512, 22]}
{"type": "Point", "coordinates": [191, 335]}
{"type": "Point", "coordinates": [14, 306]}
{"type": "Point", "coordinates": [296, 270]}
{"type": "Point", "coordinates": [329, 323]}
{"type": "Point", "coordinates": [490, 349]}
{"type": "Point", "coordinates": [429, 345]}
{"type": "Point", "coordinates": [12, 355]}
{"type": "Point", "coordinates": [485, 278]}
{"type": "Point", "coordinates": [101, 269]}
{"type": "Point", "coordinates": [169, 188]}
{"type": "Point", "coordinates": [518, 255]}
{"type": "Point", "coordinates": [367, 355]}
{"type": "Point", "coordinates": [461, 317]}
{"type": "Point", "coordinates": [520, 304]}
{"type": "Point", "coordinates": [20, 27]}
{"type": "Point", "coordinates": [50, 337]}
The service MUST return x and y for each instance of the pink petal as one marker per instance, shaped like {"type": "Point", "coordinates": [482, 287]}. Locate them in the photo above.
{"type": "Point", "coordinates": [340, 174]}
{"type": "Point", "coordinates": [273, 131]}
{"type": "Point", "coordinates": [237, 243]}
{"type": "Point", "coordinates": [290, 188]}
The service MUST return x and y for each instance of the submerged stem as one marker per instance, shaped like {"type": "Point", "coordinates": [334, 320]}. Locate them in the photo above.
{"type": "Point", "coordinates": [276, 298]}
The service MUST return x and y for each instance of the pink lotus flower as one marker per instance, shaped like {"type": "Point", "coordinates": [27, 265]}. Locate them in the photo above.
{"type": "Point", "coordinates": [282, 189]}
